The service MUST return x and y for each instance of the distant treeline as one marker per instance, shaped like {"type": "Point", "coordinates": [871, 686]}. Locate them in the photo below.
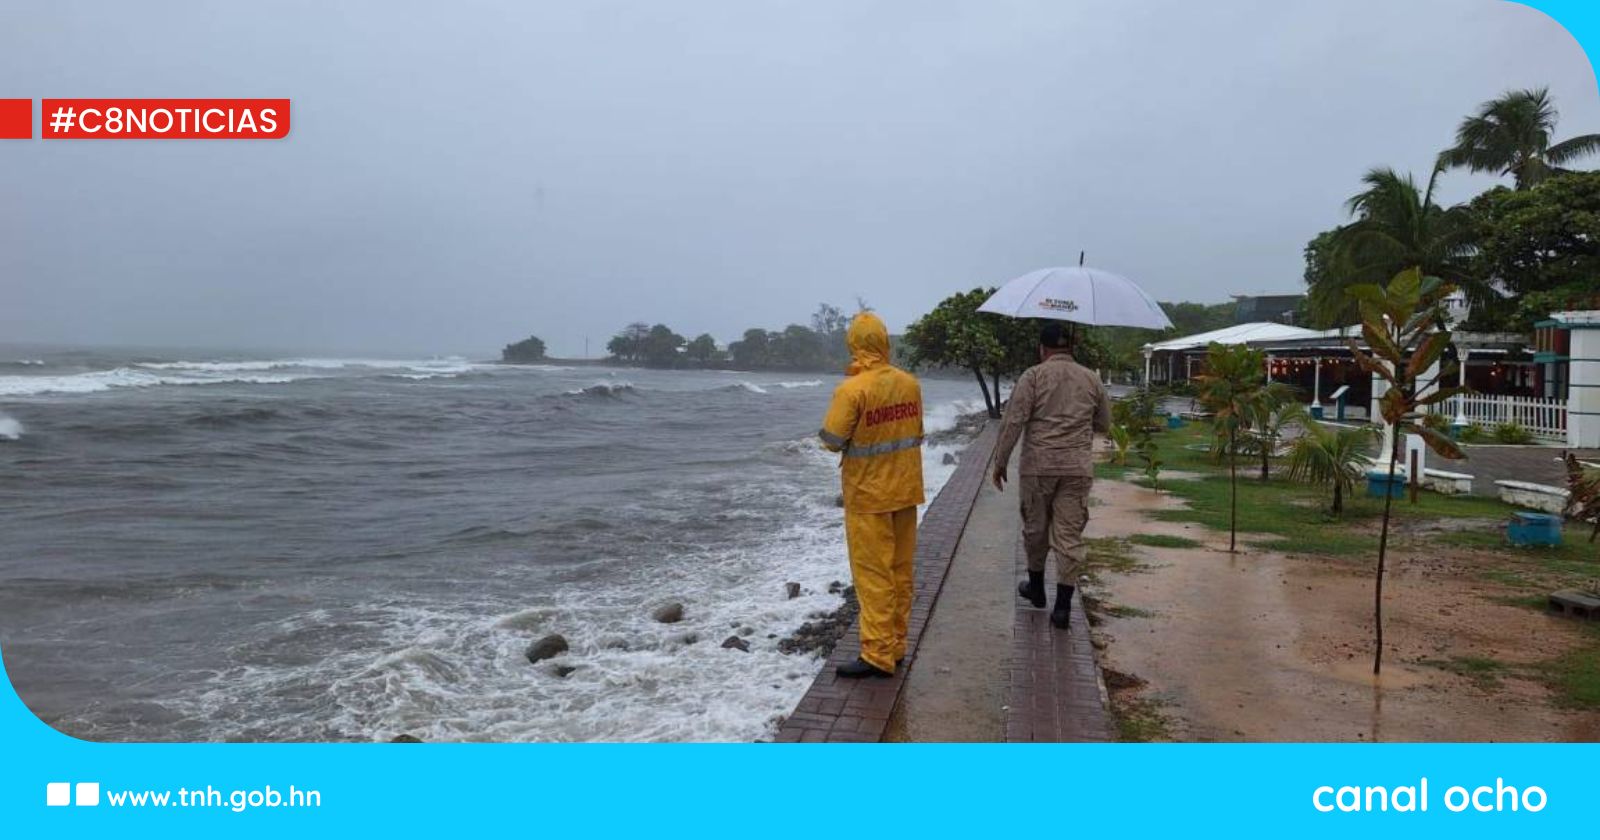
{"type": "Point", "coordinates": [797, 347]}
{"type": "Point", "coordinates": [819, 346]}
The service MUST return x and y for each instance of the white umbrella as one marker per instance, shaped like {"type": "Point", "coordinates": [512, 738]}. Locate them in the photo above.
{"type": "Point", "coordinates": [1078, 294]}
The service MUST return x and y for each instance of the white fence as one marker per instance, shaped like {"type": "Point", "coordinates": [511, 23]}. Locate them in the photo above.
{"type": "Point", "coordinates": [1541, 417]}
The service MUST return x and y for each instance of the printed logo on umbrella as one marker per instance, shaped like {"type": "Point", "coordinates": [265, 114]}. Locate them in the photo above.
{"type": "Point", "coordinates": [1058, 304]}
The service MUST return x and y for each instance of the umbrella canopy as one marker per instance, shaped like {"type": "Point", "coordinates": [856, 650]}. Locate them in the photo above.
{"type": "Point", "coordinates": [1078, 294]}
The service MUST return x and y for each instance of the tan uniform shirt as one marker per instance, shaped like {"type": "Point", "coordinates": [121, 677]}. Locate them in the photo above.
{"type": "Point", "coordinates": [1060, 404]}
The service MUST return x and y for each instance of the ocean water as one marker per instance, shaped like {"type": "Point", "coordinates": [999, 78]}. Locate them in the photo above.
{"type": "Point", "coordinates": [202, 547]}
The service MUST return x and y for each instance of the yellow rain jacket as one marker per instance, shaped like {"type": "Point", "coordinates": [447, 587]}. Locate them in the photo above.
{"type": "Point", "coordinates": [876, 421]}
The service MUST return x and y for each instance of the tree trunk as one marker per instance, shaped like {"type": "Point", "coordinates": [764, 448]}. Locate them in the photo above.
{"type": "Point", "coordinates": [1383, 547]}
{"type": "Point", "coordinates": [991, 406]}
{"type": "Point", "coordinates": [1266, 452]}
{"type": "Point", "coordinates": [1338, 500]}
{"type": "Point", "coordinates": [1233, 481]}
{"type": "Point", "coordinates": [997, 401]}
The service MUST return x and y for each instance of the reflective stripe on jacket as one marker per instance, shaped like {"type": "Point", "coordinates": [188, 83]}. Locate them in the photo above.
{"type": "Point", "coordinates": [875, 421]}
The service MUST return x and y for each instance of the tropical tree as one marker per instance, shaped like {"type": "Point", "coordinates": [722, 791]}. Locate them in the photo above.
{"type": "Point", "coordinates": [1331, 455]}
{"type": "Point", "coordinates": [830, 324]}
{"type": "Point", "coordinates": [1233, 383]}
{"type": "Point", "coordinates": [1510, 135]}
{"type": "Point", "coordinates": [1397, 226]}
{"type": "Point", "coordinates": [1140, 413]}
{"type": "Point", "coordinates": [955, 334]}
{"type": "Point", "coordinates": [753, 350]}
{"type": "Point", "coordinates": [1402, 326]}
{"type": "Point", "coordinates": [629, 344]}
{"type": "Point", "coordinates": [702, 350]}
{"type": "Point", "coordinates": [530, 349]}
{"type": "Point", "coordinates": [797, 347]}
{"type": "Point", "coordinates": [1543, 246]}
{"type": "Point", "coordinates": [661, 346]}
{"type": "Point", "coordinates": [1266, 418]}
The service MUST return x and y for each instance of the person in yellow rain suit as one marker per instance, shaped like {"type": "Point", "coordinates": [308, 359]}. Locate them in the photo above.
{"type": "Point", "coordinates": [876, 422]}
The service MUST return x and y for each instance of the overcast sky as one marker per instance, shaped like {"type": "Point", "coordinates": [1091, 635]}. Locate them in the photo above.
{"type": "Point", "coordinates": [460, 175]}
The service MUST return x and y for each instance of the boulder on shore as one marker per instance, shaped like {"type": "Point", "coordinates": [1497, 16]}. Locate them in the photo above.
{"type": "Point", "coordinates": [668, 613]}
{"type": "Point", "coordinates": [554, 644]}
{"type": "Point", "coordinates": [793, 589]}
{"type": "Point", "coordinates": [405, 739]}
{"type": "Point", "coordinates": [949, 458]}
{"type": "Point", "coordinates": [736, 643]}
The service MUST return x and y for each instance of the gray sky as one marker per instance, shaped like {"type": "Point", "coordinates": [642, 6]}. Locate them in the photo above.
{"type": "Point", "coordinates": [462, 174]}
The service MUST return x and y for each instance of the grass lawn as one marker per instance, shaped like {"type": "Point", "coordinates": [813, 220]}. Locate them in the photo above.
{"type": "Point", "coordinates": [1292, 518]}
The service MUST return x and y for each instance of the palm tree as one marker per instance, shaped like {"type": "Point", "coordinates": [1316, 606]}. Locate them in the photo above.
{"type": "Point", "coordinates": [1397, 226]}
{"type": "Point", "coordinates": [1511, 136]}
{"type": "Point", "coordinates": [1233, 382]}
{"type": "Point", "coordinates": [1331, 455]}
{"type": "Point", "coordinates": [1274, 408]}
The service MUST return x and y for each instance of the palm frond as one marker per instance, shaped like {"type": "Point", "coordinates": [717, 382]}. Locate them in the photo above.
{"type": "Point", "coordinates": [1573, 148]}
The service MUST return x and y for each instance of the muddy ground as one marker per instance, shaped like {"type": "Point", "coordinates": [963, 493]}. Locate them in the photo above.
{"type": "Point", "coordinates": [1201, 645]}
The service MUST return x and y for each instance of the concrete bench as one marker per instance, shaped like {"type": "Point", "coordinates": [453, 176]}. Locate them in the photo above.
{"type": "Point", "coordinates": [1540, 497]}
{"type": "Point", "coordinates": [1575, 603]}
{"type": "Point", "coordinates": [1443, 482]}
{"type": "Point", "coordinates": [1446, 483]}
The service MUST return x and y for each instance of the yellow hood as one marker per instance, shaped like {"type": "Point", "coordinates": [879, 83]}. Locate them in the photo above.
{"type": "Point", "coordinates": [868, 340]}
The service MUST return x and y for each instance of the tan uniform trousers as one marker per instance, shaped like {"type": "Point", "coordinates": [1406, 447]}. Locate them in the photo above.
{"type": "Point", "coordinates": [1055, 509]}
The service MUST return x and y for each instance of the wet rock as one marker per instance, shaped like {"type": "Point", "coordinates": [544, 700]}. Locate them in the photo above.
{"type": "Point", "coordinates": [949, 458]}
{"type": "Point", "coordinates": [554, 644]}
{"type": "Point", "coordinates": [563, 671]}
{"type": "Point", "coordinates": [736, 643]}
{"type": "Point", "coordinates": [793, 589]}
{"type": "Point", "coordinates": [617, 643]}
{"type": "Point", "coordinates": [838, 501]}
{"type": "Point", "coordinates": [825, 629]}
{"type": "Point", "coordinates": [668, 613]}
{"type": "Point", "coordinates": [687, 638]}
{"type": "Point", "coordinates": [836, 587]}
{"type": "Point", "coordinates": [747, 631]}
{"type": "Point", "coordinates": [405, 739]}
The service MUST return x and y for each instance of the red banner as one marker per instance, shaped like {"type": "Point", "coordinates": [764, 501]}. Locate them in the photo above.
{"type": "Point", "coordinates": [165, 119]}
{"type": "Point", "coordinates": [16, 119]}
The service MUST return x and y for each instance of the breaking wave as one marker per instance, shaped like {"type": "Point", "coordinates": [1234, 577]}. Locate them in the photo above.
{"type": "Point", "coordinates": [246, 372]}
{"type": "Point", "coordinates": [604, 390]}
{"type": "Point", "coordinates": [10, 428]}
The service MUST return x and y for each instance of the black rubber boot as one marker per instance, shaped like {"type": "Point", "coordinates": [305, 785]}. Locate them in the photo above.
{"type": "Point", "coordinates": [1033, 589]}
{"type": "Point", "coordinates": [1061, 616]}
{"type": "Point", "coordinates": [860, 668]}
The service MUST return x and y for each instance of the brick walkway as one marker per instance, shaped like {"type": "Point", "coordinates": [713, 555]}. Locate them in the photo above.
{"type": "Point", "coordinates": [858, 710]}
{"type": "Point", "coordinates": [1056, 690]}
{"type": "Point", "coordinates": [1056, 693]}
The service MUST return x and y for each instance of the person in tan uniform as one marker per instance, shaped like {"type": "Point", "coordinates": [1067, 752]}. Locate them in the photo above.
{"type": "Point", "coordinates": [1055, 410]}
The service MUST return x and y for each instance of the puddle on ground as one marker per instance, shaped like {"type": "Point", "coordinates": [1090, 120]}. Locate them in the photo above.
{"type": "Point", "coordinates": [1257, 646]}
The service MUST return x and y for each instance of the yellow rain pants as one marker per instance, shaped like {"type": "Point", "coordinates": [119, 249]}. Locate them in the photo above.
{"type": "Point", "coordinates": [881, 550]}
{"type": "Point", "coordinates": [875, 422]}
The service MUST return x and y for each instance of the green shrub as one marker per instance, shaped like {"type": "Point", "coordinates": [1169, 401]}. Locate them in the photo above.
{"type": "Point", "coordinates": [1512, 433]}
{"type": "Point", "coordinates": [1470, 434]}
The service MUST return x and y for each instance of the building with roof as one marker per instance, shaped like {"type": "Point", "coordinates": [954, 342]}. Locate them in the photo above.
{"type": "Point", "coordinates": [1550, 387]}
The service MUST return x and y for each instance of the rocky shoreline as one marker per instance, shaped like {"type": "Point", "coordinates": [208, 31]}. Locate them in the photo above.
{"type": "Point", "coordinates": [818, 636]}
